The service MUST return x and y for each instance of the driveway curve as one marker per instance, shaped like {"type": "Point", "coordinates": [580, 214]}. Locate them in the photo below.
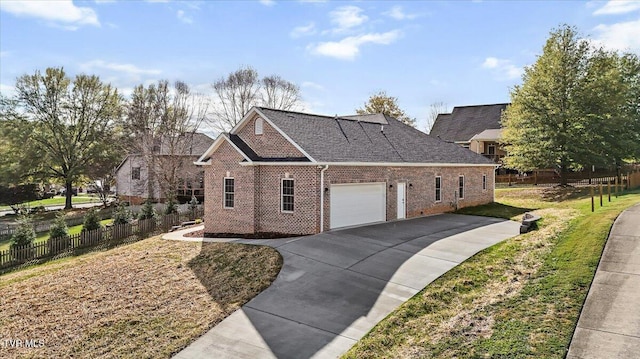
{"type": "Point", "coordinates": [335, 286]}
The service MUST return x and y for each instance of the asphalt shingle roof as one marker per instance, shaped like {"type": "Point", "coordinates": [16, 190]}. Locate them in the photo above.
{"type": "Point", "coordinates": [465, 122]}
{"type": "Point", "coordinates": [345, 139]}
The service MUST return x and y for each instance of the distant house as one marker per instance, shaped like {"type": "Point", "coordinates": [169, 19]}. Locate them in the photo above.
{"type": "Point", "coordinates": [300, 173]}
{"type": "Point", "coordinates": [474, 127]}
{"type": "Point", "coordinates": [173, 158]}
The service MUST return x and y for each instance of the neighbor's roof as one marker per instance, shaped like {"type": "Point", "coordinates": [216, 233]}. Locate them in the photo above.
{"type": "Point", "coordinates": [464, 122]}
{"type": "Point", "coordinates": [488, 135]}
{"type": "Point", "coordinates": [366, 138]}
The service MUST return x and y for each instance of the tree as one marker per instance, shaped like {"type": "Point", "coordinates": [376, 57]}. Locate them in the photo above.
{"type": "Point", "coordinates": [435, 109]}
{"type": "Point", "coordinates": [161, 123]}
{"type": "Point", "coordinates": [380, 102]}
{"type": "Point", "coordinates": [68, 124]}
{"type": "Point", "coordinates": [243, 89]}
{"type": "Point", "coordinates": [572, 110]}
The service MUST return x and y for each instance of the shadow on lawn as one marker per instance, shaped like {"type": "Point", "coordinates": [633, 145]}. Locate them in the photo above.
{"type": "Point", "coordinates": [495, 209]}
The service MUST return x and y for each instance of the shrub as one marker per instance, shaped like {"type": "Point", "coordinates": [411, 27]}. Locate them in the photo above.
{"type": "Point", "coordinates": [171, 207]}
{"type": "Point", "coordinates": [59, 227]}
{"type": "Point", "coordinates": [122, 215]}
{"type": "Point", "coordinates": [91, 220]}
{"type": "Point", "coordinates": [147, 211]}
{"type": "Point", "coordinates": [24, 234]}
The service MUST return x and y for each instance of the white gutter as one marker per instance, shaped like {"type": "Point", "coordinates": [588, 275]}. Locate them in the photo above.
{"type": "Point", "coordinates": [322, 197]}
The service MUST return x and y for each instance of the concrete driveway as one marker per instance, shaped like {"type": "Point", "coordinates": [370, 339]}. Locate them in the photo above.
{"type": "Point", "coordinates": [335, 286]}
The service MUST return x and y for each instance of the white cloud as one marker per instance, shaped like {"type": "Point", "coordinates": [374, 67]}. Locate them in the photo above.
{"type": "Point", "coordinates": [620, 36]}
{"type": "Point", "coordinates": [617, 7]}
{"type": "Point", "coordinates": [312, 85]}
{"type": "Point", "coordinates": [397, 13]}
{"type": "Point", "coordinates": [267, 2]}
{"type": "Point", "coordinates": [304, 30]}
{"type": "Point", "coordinates": [125, 68]}
{"type": "Point", "coordinates": [347, 17]}
{"type": "Point", "coordinates": [61, 13]}
{"type": "Point", "coordinates": [183, 17]}
{"type": "Point", "coordinates": [504, 68]}
{"type": "Point", "coordinates": [349, 47]}
{"type": "Point", "coordinates": [7, 90]}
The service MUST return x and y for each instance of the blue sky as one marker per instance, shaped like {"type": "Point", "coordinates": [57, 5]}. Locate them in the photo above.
{"type": "Point", "coordinates": [339, 52]}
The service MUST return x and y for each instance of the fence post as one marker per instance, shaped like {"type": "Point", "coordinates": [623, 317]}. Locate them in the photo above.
{"type": "Point", "coordinates": [609, 189]}
{"type": "Point", "coordinates": [600, 190]}
{"type": "Point", "coordinates": [628, 180]}
{"type": "Point", "coordinates": [592, 201]}
{"type": "Point", "coordinates": [615, 186]}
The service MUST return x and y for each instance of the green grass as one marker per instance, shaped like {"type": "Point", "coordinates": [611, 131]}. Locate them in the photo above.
{"type": "Point", "coordinates": [518, 299]}
{"type": "Point", "coordinates": [56, 201]}
{"type": "Point", "coordinates": [43, 236]}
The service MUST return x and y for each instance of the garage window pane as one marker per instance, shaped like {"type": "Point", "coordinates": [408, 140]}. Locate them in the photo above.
{"type": "Point", "coordinates": [229, 192]}
{"type": "Point", "coordinates": [461, 187]}
{"type": "Point", "coordinates": [287, 195]}
{"type": "Point", "coordinates": [438, 189]}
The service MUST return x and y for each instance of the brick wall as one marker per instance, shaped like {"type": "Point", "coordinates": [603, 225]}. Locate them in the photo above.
{"type": "Point", "coordinates": [264, 201]}
{"type": "Point", "coordinates": [229, 220]}
{"type": "Point", "coordinates": [270, 143]}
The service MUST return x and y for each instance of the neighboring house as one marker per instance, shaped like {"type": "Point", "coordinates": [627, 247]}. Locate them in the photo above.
{"type": "Point", "coordinates": [297, 173]}
{"type": "Point", "coordinates": [136, 182]}
{"type": "Point", "coordinates": [474, 127]}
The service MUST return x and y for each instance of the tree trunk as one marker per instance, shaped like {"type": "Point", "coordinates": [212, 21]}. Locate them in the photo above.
{"type": "Point", "coordinates": [563, 175]}
{"type": "Point", "coordinates": [68, 185]}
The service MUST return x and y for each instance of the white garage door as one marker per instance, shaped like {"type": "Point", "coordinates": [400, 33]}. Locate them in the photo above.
{"type": "Point", "coordinates": [357, 203]}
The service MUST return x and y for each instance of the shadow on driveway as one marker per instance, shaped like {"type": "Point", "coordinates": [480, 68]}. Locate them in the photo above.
{"type": "Point", "coordinates": [335, 286]}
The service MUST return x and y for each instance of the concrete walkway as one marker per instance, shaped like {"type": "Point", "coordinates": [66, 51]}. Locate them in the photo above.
{"type": "Point", "coordinates": [335, 286]}
{"type": "Point", "coordinates": [609, 325]}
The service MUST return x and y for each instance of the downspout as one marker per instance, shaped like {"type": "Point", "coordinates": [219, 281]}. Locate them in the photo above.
{"type": "Point", "coordinates": [322, 197]}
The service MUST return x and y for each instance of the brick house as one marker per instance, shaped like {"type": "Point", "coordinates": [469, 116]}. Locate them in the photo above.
{"type": "Point", "coordinates": [298, 173]}
{"type": "Point", "coordinates": [136, 182]}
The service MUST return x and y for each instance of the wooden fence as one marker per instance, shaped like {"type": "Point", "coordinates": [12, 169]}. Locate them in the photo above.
{"type": "Point", "coordinates": [105, 237]}
{"type": "Point", "coordinates": [547, 178]}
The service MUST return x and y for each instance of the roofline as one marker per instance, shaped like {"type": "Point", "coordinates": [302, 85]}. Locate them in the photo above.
{"type": "Point", "coordinates": [370, 164]}
{"type": "Point", "coordinates": [214, 146]}
{"type": "Point", "coordinates": [122, 163]}
{"type": "Point", "coordinates": [492, 104]}
{"type": "Point", "coordinates": [257, 110]}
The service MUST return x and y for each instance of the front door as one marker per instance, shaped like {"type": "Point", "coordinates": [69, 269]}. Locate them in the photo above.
{"type": "Point", "coordinates": [402, 203]}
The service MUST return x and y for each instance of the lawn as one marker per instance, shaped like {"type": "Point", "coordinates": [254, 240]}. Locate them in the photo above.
{"type": "Point", "coordinates": [41, 237]}
{"type": "Point", "coordinates": [144, 300]}
{"type": "Point", "coordinates": [56, 201]}
{"type": "Point", "coordinates": [518, 299]}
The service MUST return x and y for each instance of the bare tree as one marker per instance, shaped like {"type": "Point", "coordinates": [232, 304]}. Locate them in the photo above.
{"type": "Point", "coordinates": [435, 109]}
{"type": "Point", "coordinates": [243, 89]}
{"type": "Point", "coordinates": [161, 122]}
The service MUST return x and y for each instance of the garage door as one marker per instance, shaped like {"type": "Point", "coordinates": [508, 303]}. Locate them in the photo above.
{"type": "Point", "coordinates": [357, 203]}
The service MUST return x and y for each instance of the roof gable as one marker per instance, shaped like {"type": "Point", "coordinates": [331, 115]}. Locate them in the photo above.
{"type": "Point", "coordinates": [464, 122]}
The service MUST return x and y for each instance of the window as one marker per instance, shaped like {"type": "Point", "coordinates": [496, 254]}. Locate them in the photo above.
{"type": "Point", "coordinates": [438, 188]}
{"type": "Point", "coordinates": [135, 173]}
{"type": "Point", "coordinates": [461, 187]}
{"type": "Point", "coordinates": [258, 126]}
{"type": "Point", "coordinates": [229, 192]}
{"type": "Point", "coordinates": [491, 149]}
{"type": "Point", "coordinates": [287, 195]}
{"type": "Point", "coordinates": [484, 182]}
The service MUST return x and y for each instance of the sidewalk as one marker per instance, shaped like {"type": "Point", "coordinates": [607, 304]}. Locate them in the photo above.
{"type": "Point", "coordinates": [609, 325]}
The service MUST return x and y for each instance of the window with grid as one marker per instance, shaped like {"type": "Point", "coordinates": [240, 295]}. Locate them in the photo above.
{"type": "Point", "coordinates": [438, 189]}
{"type": "Point", "coordinates": [461, 187]}
{"type": "Point", "coordinates": [229, 192]}
{"type": "Point", "coordinates": [287, 195]}
{"type": "Point", "coordinates": [135, 173]}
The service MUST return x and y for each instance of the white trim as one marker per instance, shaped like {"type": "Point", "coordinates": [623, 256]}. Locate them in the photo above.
{"type": "Point", "coordinates": [282, 194]}
{"type": "Point", "coordinates": [322, 197]}
{"type": "Point", "coordinates": [463, 187]}
{"type": "Point", "coordinates": [224, 192]}
{"type": "Point", "coordinates": [435, 189]}
{"type": "Point", "coordinates": [370, 164]}
{"type": "Point", "coordinates": [258, 130]}
{"type": "Point", "coordinates": [284, 135]}
{"type": "Point", "coordinates": [214, 146]}
{"type": "Point", "coordinates": [404, 198]}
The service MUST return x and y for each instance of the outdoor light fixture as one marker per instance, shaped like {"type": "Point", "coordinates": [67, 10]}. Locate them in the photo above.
{"type": "Point", "coordinates": [326, 189]}
{"type": "Point", "coordinates": [390, 186]}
